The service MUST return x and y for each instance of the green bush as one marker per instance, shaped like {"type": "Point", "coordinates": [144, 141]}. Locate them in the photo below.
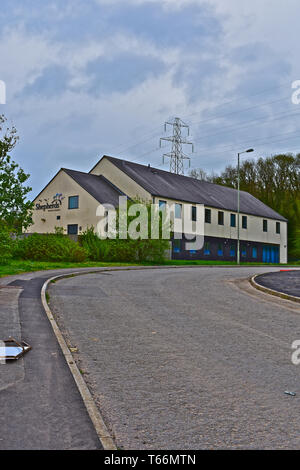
{"type": "Point", "coordinates": [6, 246]}
{"type": "Point", "coordinates": [49, 247]}
{"type": "Point", "coordinates": [96, 248]}
{"type": "Point", "coordinates": [123, 250]}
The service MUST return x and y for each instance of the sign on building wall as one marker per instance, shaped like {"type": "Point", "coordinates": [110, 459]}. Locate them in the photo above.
{"type": "Point", "coordinates": [47, 204]}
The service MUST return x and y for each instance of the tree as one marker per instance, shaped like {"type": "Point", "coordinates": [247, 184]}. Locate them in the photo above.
{"type": "Point", "coordinates": [15, 209]}
{"type": "Point", "coordinates": [199, 174]}
{"type": "Point", "coordinates": [276, 182]}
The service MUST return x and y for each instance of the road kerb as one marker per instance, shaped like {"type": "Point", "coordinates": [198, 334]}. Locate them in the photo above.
{"type": "Point", "coordinates": [92, 409]}
{"type": "Point", "coordinates": [267, 290]}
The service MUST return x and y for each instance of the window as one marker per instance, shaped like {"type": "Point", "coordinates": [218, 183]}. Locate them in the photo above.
{"type": "Point", "coordinates": [58, 217]}
{"type": "Point", "coordinates": [244, 221]}
{"type": "Point", "coordinates": [73, 202]}
{"type": "Point", "coordinates": [221, 218]}
{"type": "Point", "coordinates": [178, 211]}
{"type": "Point", "coordinates": [254, 252]}
{"type": "Point", "coordinates": [73, 229]}
{"type": "Point", "coordinates": [232, 220]}
{"type": "Point", "coordinates": [207, 248]}
{"type": "Point", "coordinates": [244, 251]}
{"type": "Point", "coordinates": [177, 246]}
{"type": "Point", "coordinates": [220, 249]}
{"type": "Point", "coordinates": [208, 216]}
{"type": "Point", "coordinates": [265, 225]}
{"type": "Point", "coordinates": [232, 250]}
{"type": "Point", "coordinates": [278, 227]}
{"type": "Point", "coordinates": [162, 205]}
{"type": "Point", "coordinates": [194, 213]}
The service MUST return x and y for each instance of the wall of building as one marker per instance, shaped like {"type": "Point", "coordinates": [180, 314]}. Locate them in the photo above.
{"type": "Point", "coordinates": [46, 220]}
{"type": "Point", "coordinates": [253, 232]}
{"type": "Point", "coordinates": [228, 250]}
{"type": "Point", "coordinates": [184, 225]}
{"type": "Point", "coordinates": [106, 168]}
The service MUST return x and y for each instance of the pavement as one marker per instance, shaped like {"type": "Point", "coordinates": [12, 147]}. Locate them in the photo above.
{"type": "Point", "coordinates": [287, 282]}
{"type": "Point", "coordinates": [186, 358]}
{"type": "Point", "coordinates": [41, 407]}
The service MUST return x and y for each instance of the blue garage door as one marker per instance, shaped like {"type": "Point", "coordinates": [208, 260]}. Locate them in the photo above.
{"type": "Point", "coordinates": [270, 254]}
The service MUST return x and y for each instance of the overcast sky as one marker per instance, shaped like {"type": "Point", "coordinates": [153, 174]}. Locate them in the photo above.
{"type": "Point", "coordinates": [91, 77]}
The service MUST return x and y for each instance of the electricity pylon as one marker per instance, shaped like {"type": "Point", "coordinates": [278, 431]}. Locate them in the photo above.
{"type": "Point", "coordinates": [176, 155]}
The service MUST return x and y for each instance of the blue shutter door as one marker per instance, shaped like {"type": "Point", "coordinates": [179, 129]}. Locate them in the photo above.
{"type": "Point", "coordinates": [270, 254]}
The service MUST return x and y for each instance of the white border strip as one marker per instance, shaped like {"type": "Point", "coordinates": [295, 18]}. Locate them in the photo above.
{"type": "Point", "coordinates": [97, 420]}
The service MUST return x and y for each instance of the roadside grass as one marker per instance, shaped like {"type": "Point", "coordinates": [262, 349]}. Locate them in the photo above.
{"type": "Point", "coordinates": [23, 266]}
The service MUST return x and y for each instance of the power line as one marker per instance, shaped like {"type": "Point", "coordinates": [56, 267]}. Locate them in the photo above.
{"type": "Point", "coordinates": [236, 149]}
{"type": "Point", "coordinates": [240, 111]}
{"type": "Point", "coordinates": [277, 117]}
{"type": "Point", "coordinates": [137, 143]}
{"type": "Point", "coordinates": [203, 121]}
{"type": "Point", "coordinates": [225, 149]}
{"type": "Point", "coordinates": [148, 152]}
{"type": "Point", "coordinates": [245, 142]}
{"type": "Point", "coordinates": [246, 97]}
{"type": "Point", "coordinates": [192, 114]}
{"type": "Point", "coordinates": [247, 123]}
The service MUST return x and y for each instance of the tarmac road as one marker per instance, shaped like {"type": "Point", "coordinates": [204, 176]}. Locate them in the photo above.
{"type": "Point", "coordinates": [187, 358]}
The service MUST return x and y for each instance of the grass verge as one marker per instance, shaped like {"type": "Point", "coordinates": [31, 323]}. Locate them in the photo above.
{"type": "Point", "coordinates": [24, 266]}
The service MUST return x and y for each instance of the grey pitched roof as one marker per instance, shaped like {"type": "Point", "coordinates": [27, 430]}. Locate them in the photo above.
{"type": "Point", "coordinates": [97, 186]}
{"type": "Point", "coordinates": [171, 186]}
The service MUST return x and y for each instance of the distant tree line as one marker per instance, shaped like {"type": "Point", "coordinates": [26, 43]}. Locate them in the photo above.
{"type": "Point", "coordinates": [275, 181]}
